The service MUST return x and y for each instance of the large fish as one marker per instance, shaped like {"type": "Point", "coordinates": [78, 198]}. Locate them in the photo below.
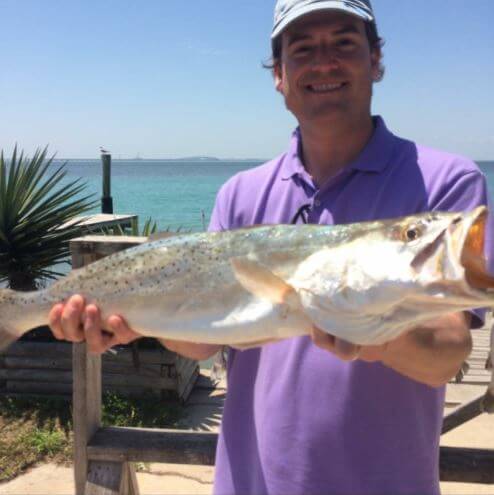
{"type": "Point", "coordinates": [366, 283]}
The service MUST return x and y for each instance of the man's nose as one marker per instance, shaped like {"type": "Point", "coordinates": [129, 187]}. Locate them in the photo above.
{"type": "Point", "coordinates": [325, 59]}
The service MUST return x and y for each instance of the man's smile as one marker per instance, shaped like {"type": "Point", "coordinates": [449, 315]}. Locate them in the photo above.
{"type": "Point", "coordinates": [322, 88]}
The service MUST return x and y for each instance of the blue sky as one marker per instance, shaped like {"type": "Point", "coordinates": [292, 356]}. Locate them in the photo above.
{"type": "Point", "coordinates": [157, 78]}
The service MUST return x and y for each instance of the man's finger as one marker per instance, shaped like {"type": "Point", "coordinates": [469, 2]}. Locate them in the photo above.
{"type": "Point", "coordinates": [92, 330]}
{"type": "Point", "coordinates": [54, 321]}
{"type": "Point", "coordinates": [72, 319]}
{"type": "Point", "coordinates": [341, 348]}
{"type": "Point", "coordinates": [122, 332]}
{"type": "Point", "coordinates": [322, 339]}
{"type": "Point", "coordinates": [345, 350]}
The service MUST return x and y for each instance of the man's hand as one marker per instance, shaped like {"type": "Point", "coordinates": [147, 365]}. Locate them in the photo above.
{"type": "Point", "coordinates": [76, 322]}
{"type": "Point", "coordinates": [345, 350]}
{"type": "Point", "coordinates": [431, 353]}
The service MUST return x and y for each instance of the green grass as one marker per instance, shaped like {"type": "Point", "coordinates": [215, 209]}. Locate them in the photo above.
{"type": "Point", "coordinates": [40, 429]}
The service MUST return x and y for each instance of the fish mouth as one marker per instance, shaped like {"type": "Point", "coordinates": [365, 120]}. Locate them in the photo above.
{"type": "Point", "coordinates": [469, 233]}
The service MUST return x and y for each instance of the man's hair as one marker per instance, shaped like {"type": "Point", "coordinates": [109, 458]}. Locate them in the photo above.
{"type": "Point", "coordinates": [375, 43]}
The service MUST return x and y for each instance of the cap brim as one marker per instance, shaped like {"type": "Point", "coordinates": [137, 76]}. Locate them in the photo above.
{"type": "Point", "coordinates": [329, 5]}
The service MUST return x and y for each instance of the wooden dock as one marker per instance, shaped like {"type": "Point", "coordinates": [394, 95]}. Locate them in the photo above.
{"type": "Point", "coordinates": [477, 374]}
{"type": "Point", "coordinates": [98, 221]}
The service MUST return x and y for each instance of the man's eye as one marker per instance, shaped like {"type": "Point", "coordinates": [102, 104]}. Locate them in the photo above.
{"type": "Point", "coordinates": [302, 50]}
{"type": "Point", "coordinates": [345, 44]}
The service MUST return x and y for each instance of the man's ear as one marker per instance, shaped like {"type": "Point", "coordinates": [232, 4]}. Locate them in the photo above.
{"type": "Point", "coordinates": [278, 78]}
{"type": "Point", "coordinates": [376, 57]}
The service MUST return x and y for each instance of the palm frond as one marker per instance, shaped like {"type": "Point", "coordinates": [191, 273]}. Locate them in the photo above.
{"type": "Point", "coordinates": [36, 202]}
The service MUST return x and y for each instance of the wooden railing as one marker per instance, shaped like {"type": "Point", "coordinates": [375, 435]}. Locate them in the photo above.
{"type": "Point", "coordinates": [104, 457]}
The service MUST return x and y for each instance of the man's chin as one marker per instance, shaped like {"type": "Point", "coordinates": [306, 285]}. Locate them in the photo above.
{"type": "Point", "coordinates": [325, 113]}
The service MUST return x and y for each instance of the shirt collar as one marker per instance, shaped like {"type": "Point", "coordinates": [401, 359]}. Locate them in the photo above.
{"type": "Point", "coordinates": [374, 157]}
{"type": "Point", "coordinates": [292, 164]}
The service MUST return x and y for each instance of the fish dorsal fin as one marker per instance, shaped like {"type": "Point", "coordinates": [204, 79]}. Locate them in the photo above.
{"type": "Point", "coordinates": [262, 282]}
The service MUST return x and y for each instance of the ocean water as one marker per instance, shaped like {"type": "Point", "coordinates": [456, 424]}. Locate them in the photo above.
{"type": "Point", "coordinates": [175, 194]}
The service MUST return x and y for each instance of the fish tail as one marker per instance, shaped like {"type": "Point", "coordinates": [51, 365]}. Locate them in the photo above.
{"type": "Point", "coordinates": [9, 332]}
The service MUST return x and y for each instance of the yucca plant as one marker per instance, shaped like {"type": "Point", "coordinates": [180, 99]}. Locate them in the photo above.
{"type": "Point", "coordinates": [150, 227]}
{"type": "Point", "coordinates": [34, 210]}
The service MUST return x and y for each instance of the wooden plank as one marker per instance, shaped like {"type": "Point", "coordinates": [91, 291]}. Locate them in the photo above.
{"type": "Point", "coordinates": [163, 383]}
{"type": "Point", "coordinates": [105, 478]}
{"type": "Point", "coordinates": [153, 445]}
{"type": "Point", "coordinates": [131, 486]}
{"type": "Point", "coordinates": [34, 388]}
{"type": "Point", "coordinates": [109, 380]}
{"type": "Point", "coordinates": [55, 376]}
{"type": "Point", "coordinates": [462, 465]}
{"type": "Point", "coordinates": [461, 415]}
{"type": "Point", "coordinates": [40, 362]}
{"type": "Point", "coordinates": [476, 380]}
{"type": "Point", "coordinates": [185, 386]}
{"type": "Point", "coordinates": [45, 349]}
{"type": "Point", "coordinates": [63, 350]}
{"type": "Point", "coordinates": [101, 220]}
{"type": "Point", "coordinates": [146, 356]}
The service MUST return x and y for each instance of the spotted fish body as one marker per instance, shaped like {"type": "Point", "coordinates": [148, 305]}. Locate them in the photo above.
{"type": "Point", "coordinates": [366, 283]}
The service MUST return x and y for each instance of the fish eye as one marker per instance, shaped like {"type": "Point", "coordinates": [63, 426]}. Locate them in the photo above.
{"type": "Point", "coordinates": [411, 233]}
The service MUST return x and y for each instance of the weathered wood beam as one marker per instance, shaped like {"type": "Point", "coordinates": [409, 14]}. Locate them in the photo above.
{"type": "Point", "coordinates": [119, 444]}
{"type": "Point", "coordinates": [461, 415]}
{"type": "Point", "coordinates": [462, 465]}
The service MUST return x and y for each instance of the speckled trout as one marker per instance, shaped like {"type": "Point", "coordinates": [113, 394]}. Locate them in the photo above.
{"type": "Point", "coordinates": [366, 282]}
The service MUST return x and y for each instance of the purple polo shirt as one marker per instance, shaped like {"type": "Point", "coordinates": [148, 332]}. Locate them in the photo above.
{"type": "Point", "coordinates": [297, 420]}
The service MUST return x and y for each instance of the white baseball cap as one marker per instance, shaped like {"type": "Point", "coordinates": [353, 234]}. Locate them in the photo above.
{"type": "Point", "coordinates": [287, 11]}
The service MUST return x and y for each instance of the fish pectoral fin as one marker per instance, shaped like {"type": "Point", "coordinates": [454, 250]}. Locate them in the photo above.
{"type": "Point", "coordinates": [262, 282]}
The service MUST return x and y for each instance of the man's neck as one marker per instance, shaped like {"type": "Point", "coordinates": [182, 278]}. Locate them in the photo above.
{"type": "Point", "coordinates": [328, 149]}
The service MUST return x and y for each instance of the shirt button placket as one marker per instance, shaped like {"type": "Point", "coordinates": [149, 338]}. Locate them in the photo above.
{"type": "Point", "coordinates": [314, 211]}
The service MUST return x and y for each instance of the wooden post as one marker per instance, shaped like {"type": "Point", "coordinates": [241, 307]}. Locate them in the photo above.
{"type": "Point", "coordinates": [86, 401]}
{"type": "Point", "coordinates": [87, 371]}
{"type": "Point", "coordinates": [87, 409]}
{"type": "Point", "coordinates": [106, 199]}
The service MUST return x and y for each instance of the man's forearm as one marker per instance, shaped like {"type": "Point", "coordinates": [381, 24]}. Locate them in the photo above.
{"type": "Point", "coordinates": [433, 353]}
{"type": "Point", "coordinates": [190, 350]}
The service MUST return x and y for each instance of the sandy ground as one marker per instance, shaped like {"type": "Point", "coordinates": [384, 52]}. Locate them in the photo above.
{"type": "Point", "coordinates": [204, 413]}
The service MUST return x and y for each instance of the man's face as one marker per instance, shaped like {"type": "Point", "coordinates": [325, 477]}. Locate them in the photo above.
{"type": "Point", "coordinates": [327, 68]}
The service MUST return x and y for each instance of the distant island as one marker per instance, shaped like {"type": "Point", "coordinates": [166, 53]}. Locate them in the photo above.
{"type": "Point", "coordinates": [199, 159]}
{"type": "Point", "coordinates": [194, 159]}
{"type": "Point", "coordinates": [206, 159]}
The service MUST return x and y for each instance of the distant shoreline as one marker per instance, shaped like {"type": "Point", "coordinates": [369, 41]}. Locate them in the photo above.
{"type": "Point", "coordinates": [207, 160]}
{"type": "Point", "coordinates": [171, 160]}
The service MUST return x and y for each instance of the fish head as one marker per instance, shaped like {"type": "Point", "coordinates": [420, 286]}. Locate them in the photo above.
{"type": "Point", "coordinates": [396, 273]}
{"type": "Point", "coordinates": [448, 254]}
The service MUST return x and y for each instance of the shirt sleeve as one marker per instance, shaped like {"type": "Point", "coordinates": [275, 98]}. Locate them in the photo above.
{"type": "Point", "coordinates": [221, 212]}
{"type": "Point", "coordinates": [215, 224]}
{"type": "Point", "coordinates": [465, 194]}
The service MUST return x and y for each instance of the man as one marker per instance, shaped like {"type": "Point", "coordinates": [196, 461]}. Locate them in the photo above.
{"type": "Point", "coordinates": [316, 415]}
